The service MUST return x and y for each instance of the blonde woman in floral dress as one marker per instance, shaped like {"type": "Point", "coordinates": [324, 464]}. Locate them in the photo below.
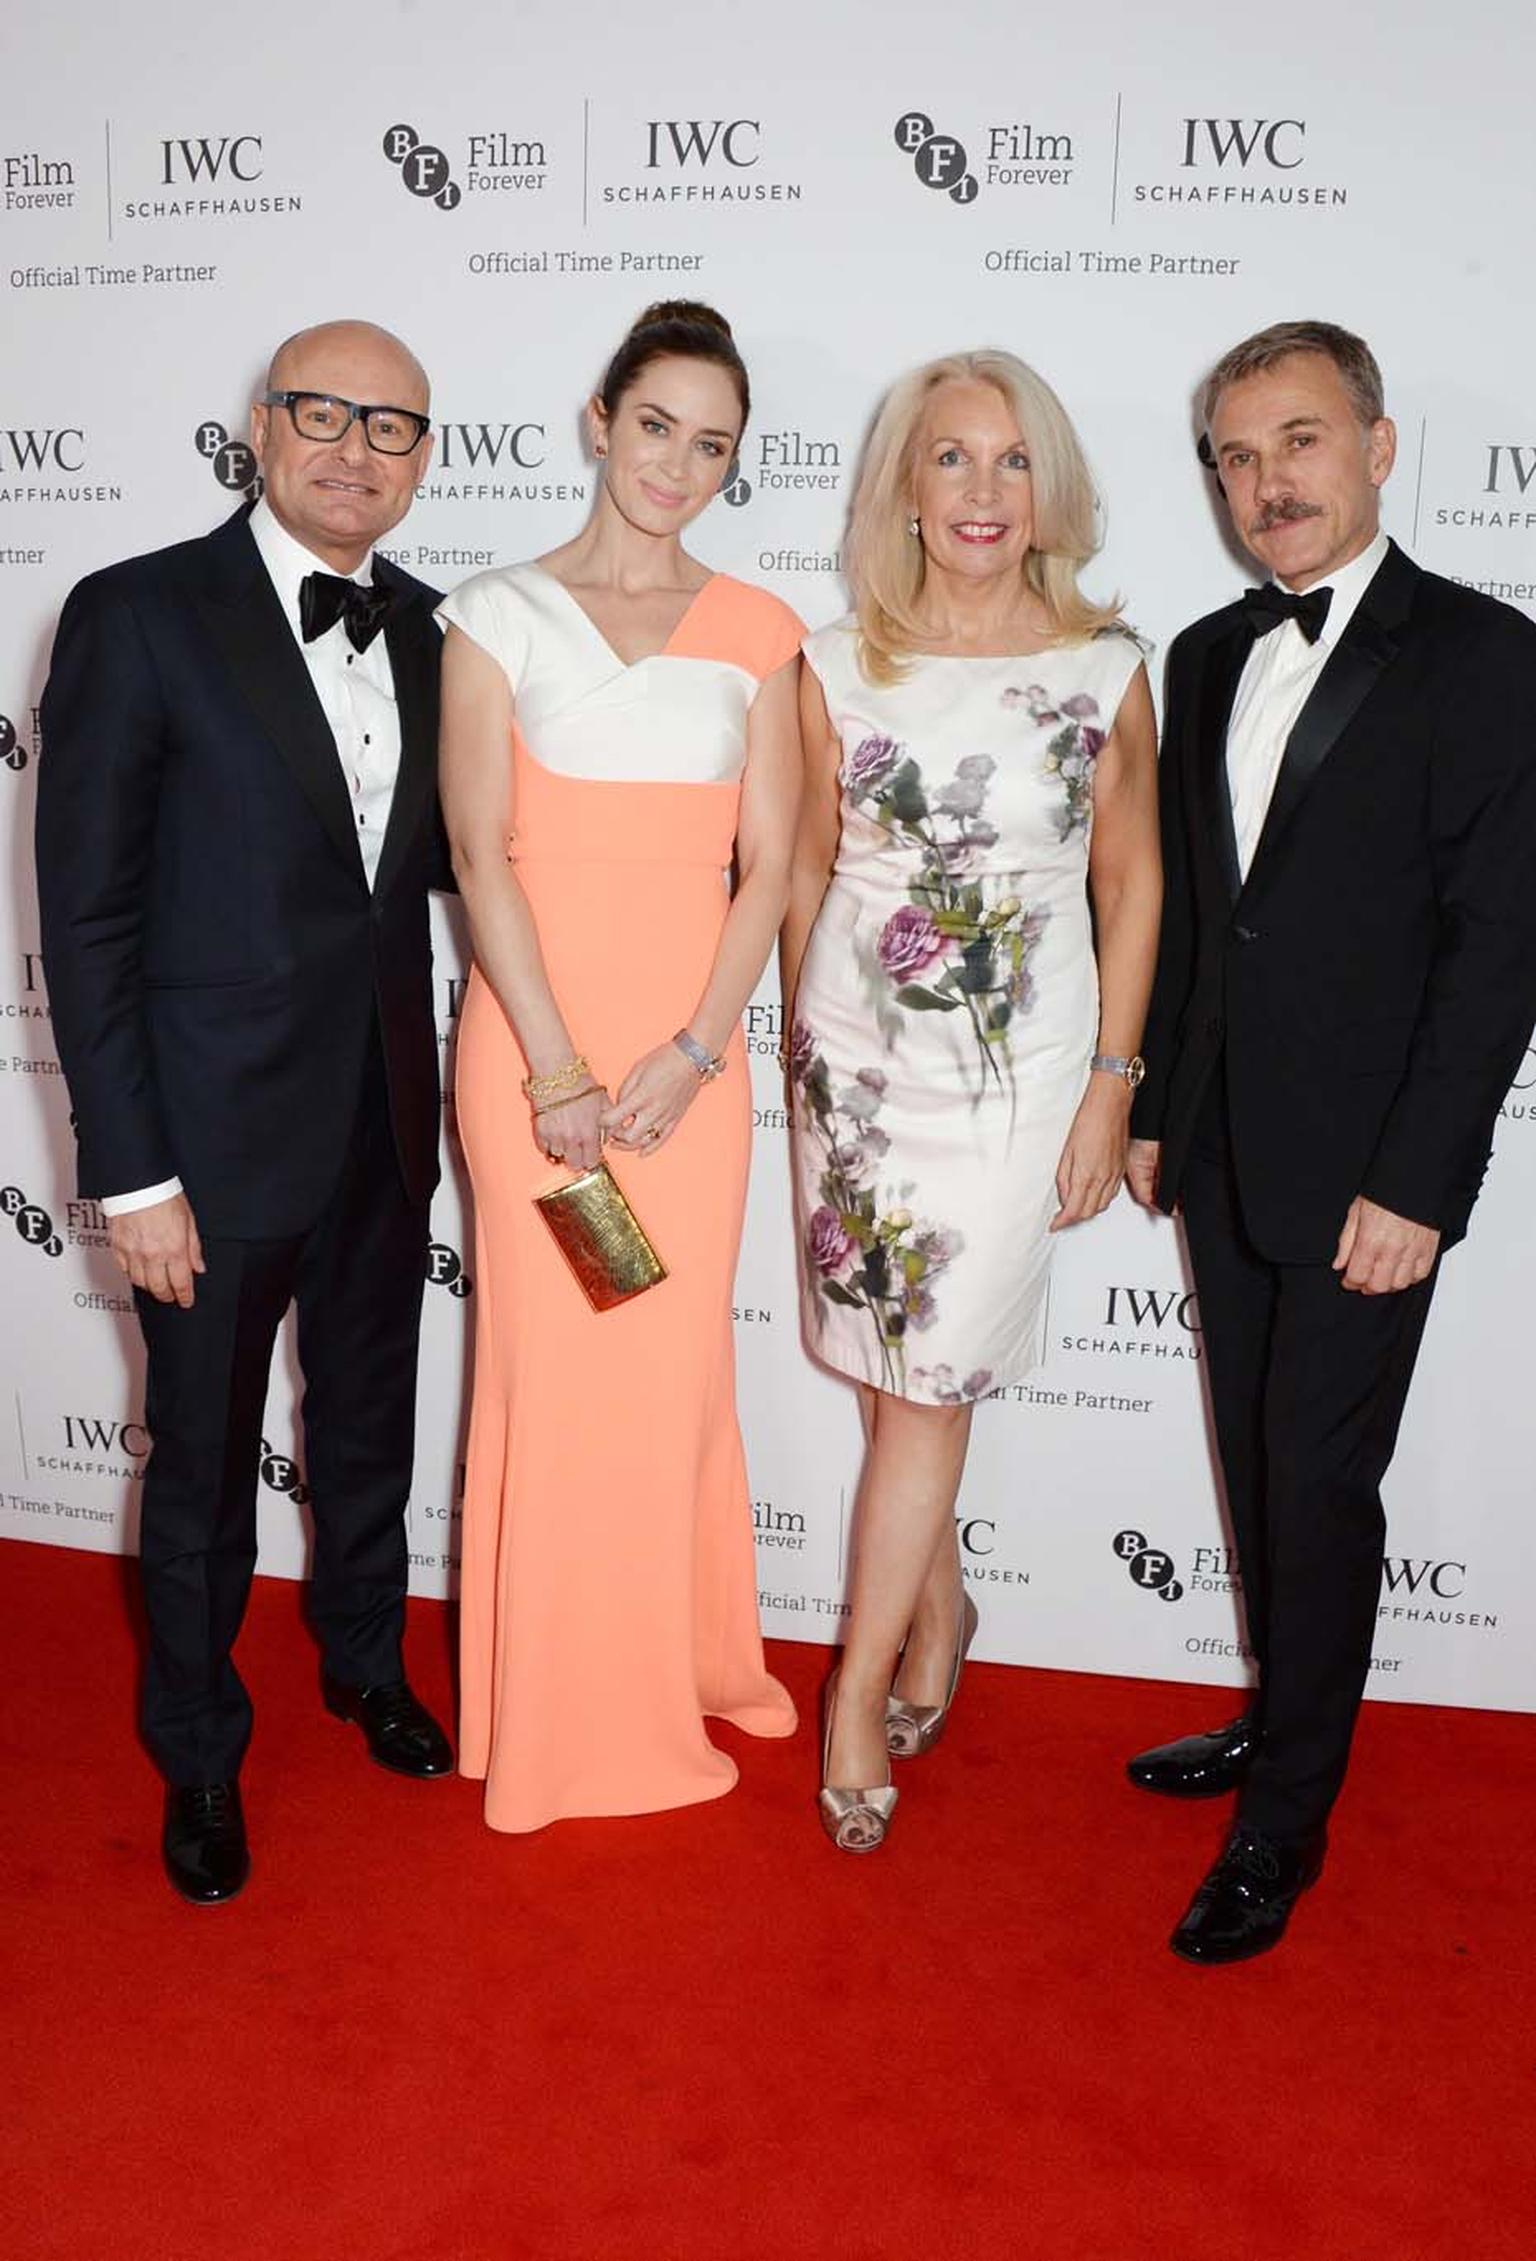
{"type": "Point", "coordinates": [981, 769]}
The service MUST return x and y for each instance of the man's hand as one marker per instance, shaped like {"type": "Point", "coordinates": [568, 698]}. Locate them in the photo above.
{"type": "Point", "coordinates": [158, 1249]}
{"type": "Point", "coordinates": [1141, 1166]}
{"type": "Point", "coordinates": [1380, 1253]}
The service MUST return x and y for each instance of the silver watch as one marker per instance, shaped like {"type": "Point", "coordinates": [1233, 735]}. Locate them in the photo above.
{"type": "Point", "coordinates": [694, 1053]}
{"type": "Point", "coordinates": [1112, 1064]}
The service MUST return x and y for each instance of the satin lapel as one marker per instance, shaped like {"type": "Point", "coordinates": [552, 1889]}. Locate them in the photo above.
{"type": "Point", "coordinates": [246, 622]}
{"type": "Point", "coordinates": [1368, 645]}
{"type": "Point", "coordinates": [1218, 689]}
{"type": "Point", "coordinates": [415, 653]}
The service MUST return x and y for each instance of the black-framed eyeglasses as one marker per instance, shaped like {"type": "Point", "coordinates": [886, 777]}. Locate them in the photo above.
{"type": "Point", "coordinates": [321, 416]}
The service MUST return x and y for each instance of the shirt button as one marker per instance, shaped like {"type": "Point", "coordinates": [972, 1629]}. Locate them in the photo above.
{"type": "Point", "coordinates": [367, 738]}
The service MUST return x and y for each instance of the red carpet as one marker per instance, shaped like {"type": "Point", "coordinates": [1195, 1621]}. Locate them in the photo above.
{"type": "Point", "coordinates": [707, 2034]}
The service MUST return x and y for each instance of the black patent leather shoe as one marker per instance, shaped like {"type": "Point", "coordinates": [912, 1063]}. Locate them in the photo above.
{"type": "Point", "coordinates": [400, 1731]}
{"type": "Point", "coordinates": [203, 1842]}
{"type": "Point", "coordinates": [1245, 1903]}
{"type": "Point", "coordinates": [1199, 1766]}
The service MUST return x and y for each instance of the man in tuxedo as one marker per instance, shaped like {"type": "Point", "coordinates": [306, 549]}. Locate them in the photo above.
{"type": "Point", "coordinates": [1346, 981]}
{"type": "Point", "coordinates": [237, 826]}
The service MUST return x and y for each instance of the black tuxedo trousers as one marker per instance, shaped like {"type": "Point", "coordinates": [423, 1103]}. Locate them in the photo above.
{"type": "Point", "coordinates": [356, 1278]}
{"type": "Point", "coordinates": [1308, 1380]}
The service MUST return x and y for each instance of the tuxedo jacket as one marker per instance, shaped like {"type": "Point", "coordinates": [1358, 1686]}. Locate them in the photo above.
{"type": "Point", "coordinates": [1369, 988]}
{"type": "Point", "coordinates": [214, 955]}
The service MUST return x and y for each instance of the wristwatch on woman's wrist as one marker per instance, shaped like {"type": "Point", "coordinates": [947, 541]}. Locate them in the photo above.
{"type": "Point", "coordinates": [1112, 1064]}
{"type": "Point", "coordinates": [693, 1052]}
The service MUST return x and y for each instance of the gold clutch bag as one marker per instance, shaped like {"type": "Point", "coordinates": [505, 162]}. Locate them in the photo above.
{"type": "Point", "coordinates": [601, 1238]}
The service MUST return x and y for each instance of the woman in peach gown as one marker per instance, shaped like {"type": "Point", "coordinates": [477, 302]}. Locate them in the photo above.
{"type": "Point", "coordinates": [619, 725]}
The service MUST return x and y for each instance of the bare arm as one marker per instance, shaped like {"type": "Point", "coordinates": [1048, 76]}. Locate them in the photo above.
{"type": "Point", "coordinates": [1125, 879]}
{"type": "Point", "coordinates": [655, 1094]}
{"type": "Point", "coordinates": [815, 848]}
{"type": "Point", "coordinates": [475, 767]}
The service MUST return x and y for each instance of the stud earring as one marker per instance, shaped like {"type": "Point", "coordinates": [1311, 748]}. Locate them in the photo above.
{"type": "Point", "coordinates": [914, 527]}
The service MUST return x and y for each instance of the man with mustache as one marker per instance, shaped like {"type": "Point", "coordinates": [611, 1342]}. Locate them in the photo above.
{"type": "Point", "coordinates": [236, 829]}
{"type": "Point", "coordinates": [1346, 980]}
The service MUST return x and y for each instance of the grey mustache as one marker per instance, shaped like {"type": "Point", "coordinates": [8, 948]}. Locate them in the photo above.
{"type": "Point", "coordinates": [1284, 514]}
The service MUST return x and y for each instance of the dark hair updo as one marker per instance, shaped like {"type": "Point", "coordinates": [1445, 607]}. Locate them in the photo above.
{"type": "Point", "coordinates": [683, 328]}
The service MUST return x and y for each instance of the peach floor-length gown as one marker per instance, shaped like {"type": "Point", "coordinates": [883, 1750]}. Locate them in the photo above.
{"type": "Point", "coordinates": [608, 1577]}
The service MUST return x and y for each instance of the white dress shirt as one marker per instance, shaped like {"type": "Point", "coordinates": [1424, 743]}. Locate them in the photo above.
{"type": "Point", "coordinates": [1278, 678]}
{"type": "Point", "coordinates": [357, 691]}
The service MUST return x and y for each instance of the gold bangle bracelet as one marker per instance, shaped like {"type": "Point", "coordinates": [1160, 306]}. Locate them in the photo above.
{"type": "Point", "coordinates": [540, 1088]}
{"type": "Point", "coordinates": [552, 1106]}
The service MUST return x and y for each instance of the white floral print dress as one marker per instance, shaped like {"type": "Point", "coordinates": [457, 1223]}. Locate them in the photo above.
{"type": "Point", "coordinates": [948, 1008]}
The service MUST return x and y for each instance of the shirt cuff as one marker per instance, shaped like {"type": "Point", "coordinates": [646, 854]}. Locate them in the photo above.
{"type": "Point", "coordinates": [121, 1204]}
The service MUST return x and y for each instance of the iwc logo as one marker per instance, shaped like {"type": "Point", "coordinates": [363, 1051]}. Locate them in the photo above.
{"type": "Point", "coordinates": [205, 177]}
{"type": "Point", "coordinates": [123, 1447]}
{"type": "Point", "coordinates": [487, 459]}
{"type": "Point", "coordinates": [1505, 498]}
{"type": "Point", "coordinates": [1418, 1590]}
{"type": "Point", "coordinates": [979, 1565]}
{"type": "Point", "coordinates": [232, 462]}
{"type": "Point", "coordinates": [1241, 161]}
{"type": "Point", "coordinates": [1143, 1323]}
{"type": "Point", "coordinates": [1511, 470]}
{"type": "Point", "coordinates": [1149, 1567]}
{"type": "Point", "coordinates": [1519, 1105]}
{"type": "Point", "coordinates": [693, 161]}
{"type": "Point", "coordinates": [55, 457]}
{"type": "Point", "coordinates": [30, 1002]}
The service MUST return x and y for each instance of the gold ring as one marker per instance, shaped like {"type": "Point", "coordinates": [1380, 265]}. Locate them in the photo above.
{"type": "Point", "coordinates": [652, 1133]}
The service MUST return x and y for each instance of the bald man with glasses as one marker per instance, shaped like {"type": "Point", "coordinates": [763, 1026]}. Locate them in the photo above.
{"type": "Point", "coordinates": [237, 829]}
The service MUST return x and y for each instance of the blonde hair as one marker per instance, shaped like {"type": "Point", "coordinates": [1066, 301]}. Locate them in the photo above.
{"type": "Point", "coordinates": [887, 564]}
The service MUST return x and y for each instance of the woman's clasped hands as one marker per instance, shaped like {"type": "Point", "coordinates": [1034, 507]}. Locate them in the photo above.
{"type": "Point", "coordinates": [651, 1102]}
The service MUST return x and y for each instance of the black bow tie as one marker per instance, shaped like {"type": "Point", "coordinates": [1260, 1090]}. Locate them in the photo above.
{"type": "Point", "coordinates": [325, 598]}
{"type": "Point", "coordinates": [1266, 608]}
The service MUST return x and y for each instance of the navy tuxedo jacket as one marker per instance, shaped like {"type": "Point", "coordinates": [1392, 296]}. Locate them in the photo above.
{"type": "Point", "coordinates": [214, 955]}
{"type": "Point", "coordinates": [1371, 985]}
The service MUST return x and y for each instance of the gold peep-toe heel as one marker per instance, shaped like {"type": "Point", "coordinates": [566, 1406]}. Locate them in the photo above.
{"type": "Point", "coordinates": [855, 1820]}
{"type": "Point", "coordinates": [911, 1729]}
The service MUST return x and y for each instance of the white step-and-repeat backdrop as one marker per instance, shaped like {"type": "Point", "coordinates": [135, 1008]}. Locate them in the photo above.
{"type": "Point", "coordinates": [1117, 194]}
